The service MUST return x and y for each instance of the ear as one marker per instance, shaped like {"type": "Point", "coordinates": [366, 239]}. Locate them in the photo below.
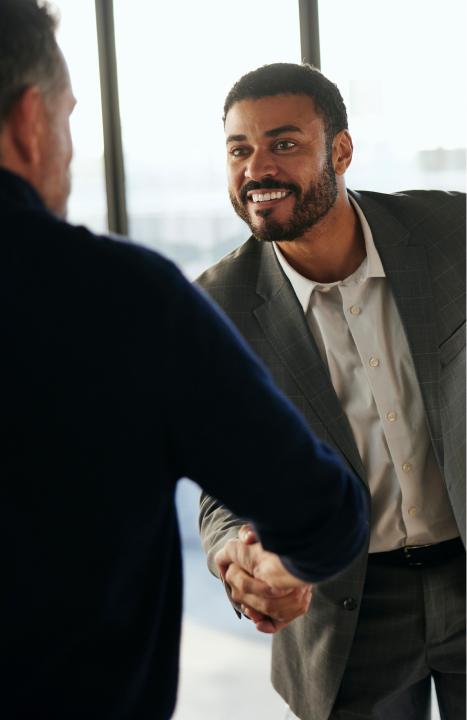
{"type": "Point", "coordinates": [342, 151]}
{"type": "Point", "coordinates": [27, 123]}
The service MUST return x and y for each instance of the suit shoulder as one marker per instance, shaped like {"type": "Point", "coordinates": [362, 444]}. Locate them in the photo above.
{"type": "Point", "coordinates": [414, 208]}
{"type": "Point", "coordinates": [434, 218]}
{"type": "Point", "coordinates": [240, 265]}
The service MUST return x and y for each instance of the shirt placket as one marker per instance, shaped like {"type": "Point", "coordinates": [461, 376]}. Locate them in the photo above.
{"type": "Point", "coordinates": [361, 321]}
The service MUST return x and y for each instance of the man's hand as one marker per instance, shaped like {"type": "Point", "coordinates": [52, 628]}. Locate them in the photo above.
{"type": "Point", "coordinates": [269, 595]}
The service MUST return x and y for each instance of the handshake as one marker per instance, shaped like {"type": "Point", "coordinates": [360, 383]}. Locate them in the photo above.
{"type": "Point", "coordinates": [259, 584]}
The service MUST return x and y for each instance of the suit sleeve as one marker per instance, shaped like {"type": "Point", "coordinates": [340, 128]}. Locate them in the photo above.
{"type": "Point", "coordinates": [238, 437]}
{"type": "Point", "coordinates": [217, 525]}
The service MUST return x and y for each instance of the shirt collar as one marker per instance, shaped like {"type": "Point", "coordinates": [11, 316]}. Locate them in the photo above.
{"type": "Point", "coordinates": [370, 267]}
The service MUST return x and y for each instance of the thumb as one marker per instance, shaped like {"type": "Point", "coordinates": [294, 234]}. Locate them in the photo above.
{"type": "Point", "coordinates": [247, 535]}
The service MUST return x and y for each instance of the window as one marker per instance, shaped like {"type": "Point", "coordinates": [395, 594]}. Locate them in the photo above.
{"type": "Point", "coordinates": [78, 40]}
{"type": "Point", "coordinates": [176, 64]}
{"type": "Point", "coordinates": [401, 69]}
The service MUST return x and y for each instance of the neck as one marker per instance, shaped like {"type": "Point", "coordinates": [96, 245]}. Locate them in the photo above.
{"type": "Point", "coordinates": [332, 249]}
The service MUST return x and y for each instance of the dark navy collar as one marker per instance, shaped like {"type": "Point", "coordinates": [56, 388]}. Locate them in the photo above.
{"type": "Point", "coordinates": [17, 193]}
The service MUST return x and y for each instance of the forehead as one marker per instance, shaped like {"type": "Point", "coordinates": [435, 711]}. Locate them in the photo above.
{"type": "Point", "coordinates": [257, 116]}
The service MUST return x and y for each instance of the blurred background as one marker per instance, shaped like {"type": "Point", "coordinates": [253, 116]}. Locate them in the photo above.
{"type": "Point", "coordinates": [401, 68]}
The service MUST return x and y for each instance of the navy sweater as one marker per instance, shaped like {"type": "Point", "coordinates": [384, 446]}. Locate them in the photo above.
{"type": "Point", "coordinates": [117, 378]}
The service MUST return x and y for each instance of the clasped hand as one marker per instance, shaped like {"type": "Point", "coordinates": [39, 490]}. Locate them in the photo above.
{"type": "Point", "coordinates": [259, 583]}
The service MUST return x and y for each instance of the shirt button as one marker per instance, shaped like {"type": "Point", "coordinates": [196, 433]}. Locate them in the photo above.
{"type": "Point", "coordinates": [374, 362]}
{"type": "Point", "coordinates": [355, 310]}
{"type": "Point", "coordinates": [391, 416]}
{"type": "Point", "coordinates": [349, 604]}
{"type": "Point", "coordinates": [413, 511]}
{"type": "Point", "coordinates": [407, 467]}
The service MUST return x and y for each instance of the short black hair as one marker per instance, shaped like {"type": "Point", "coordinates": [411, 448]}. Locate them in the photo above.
{"type": "Point", "coordinates": [293, 79]}
{"type": "Point", "coordinates": [29, 54]}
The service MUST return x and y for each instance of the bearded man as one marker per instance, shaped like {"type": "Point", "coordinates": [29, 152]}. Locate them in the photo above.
{"type": "Point", "coordinates": [356, 302]}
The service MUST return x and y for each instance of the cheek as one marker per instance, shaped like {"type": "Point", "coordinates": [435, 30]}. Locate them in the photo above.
{"type": "Point", "coordinates": [65, 145]}
{"type": "Point", "coordinates": [69, 141]}
{"type": "Point", "coordinates": [234, 178]}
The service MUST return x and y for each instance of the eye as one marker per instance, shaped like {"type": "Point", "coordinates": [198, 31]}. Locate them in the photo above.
{"type": "Point", "coordinates": [237, 152]}
{"type": "Point", "coordinates": [282, 145]}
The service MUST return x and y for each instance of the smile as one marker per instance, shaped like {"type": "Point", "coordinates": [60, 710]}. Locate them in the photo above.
{"type": "Point", "coordinates": [259, 197]}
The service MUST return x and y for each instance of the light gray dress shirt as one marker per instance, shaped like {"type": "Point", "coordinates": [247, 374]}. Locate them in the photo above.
{"type": "Point", "coordinates": [358, 330]}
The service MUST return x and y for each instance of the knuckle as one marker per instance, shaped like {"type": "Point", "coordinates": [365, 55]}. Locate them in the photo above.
{"type": "Point", "coordinates": [269, 608]}
{"type": "Point", "coordinates": [242, 584]}
{"type": "Point", "coordinates": [235, 596]}
{"type": "Point", "coordinates": [230, 575]}
{"type": "Point", "coordinates": [236, 582]}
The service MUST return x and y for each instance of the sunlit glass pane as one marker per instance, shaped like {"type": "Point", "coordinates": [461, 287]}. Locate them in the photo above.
{"type": "Point", "coordinates": [176, 63]}
{"type": "Point", "coordinates": [401, 68]}
{"type": "Point", "coordinates": [78, 40]}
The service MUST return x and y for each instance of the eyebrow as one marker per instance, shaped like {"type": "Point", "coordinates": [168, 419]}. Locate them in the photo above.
{"type": "Point", "coordinates": [282, 129]}
{"type": "Point", "coordinates": [235, 138]}
{"type": "Point", "coordinates": [274, 132]}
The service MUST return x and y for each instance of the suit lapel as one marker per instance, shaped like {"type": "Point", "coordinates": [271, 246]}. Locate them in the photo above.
{"type": "Point", "coordinates": [407, 271]}
{"type": "Point", "coordinates": [284, 325]}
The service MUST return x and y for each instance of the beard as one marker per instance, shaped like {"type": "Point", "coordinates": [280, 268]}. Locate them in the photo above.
{"type": "Point", "coordinates": [311, 206]}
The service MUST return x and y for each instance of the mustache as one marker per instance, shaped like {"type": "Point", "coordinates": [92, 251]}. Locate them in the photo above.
{"type": "Point", "coordinates": [267, 184]}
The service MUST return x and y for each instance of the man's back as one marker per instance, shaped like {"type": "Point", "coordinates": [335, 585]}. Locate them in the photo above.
{"type": "Point", "coordinates": [117, 379]}
{"type": "Point", "coordinates": [87, 482]}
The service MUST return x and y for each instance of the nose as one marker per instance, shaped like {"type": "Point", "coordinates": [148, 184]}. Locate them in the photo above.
{"type": "Point", "coordinates": [260, 164]}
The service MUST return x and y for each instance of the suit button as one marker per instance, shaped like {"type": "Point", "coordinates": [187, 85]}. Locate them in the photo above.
{"type": "Point", "coordinates": [349, 603]}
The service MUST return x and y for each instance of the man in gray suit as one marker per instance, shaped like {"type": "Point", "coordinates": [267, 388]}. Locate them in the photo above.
{"type": "Point", "coordinates": [356, 303]}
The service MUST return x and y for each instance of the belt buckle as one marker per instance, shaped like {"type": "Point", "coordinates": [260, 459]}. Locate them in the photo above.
{"type": "Point", "coordinates": [408, 551]}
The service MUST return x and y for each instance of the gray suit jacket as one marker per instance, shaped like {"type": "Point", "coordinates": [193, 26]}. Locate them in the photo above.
{"type": "Point", "coordinates": [420, 236]}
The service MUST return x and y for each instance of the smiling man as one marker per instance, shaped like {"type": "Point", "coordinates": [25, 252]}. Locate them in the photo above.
{"type": "Point", "coordinates": [356, 303]}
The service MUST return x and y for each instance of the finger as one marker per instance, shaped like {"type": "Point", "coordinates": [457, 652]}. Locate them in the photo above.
{"type": "Point", "coordinates": [252, 558]}
{"type": "Point", "coordinates": [226, 555]}
{"type": "Point", "coordinates": [269, 626]}
{"type": "Point", "coordinates": [282, 610]}
{"type": "Point", "coordinates": [247, 591]}
{"type": "Point", "coordinates": [262, 622]}
{"type": "Point", "coordinates": [253, 614]}
{"type": "Point", "coordinates": [268, 567]}
{"type": "Point", "coordinates": [264, 565]}
{"type": "Point", "coordinates": [245, 584]}
{"type": "Point", "coordinates": [247, 535]}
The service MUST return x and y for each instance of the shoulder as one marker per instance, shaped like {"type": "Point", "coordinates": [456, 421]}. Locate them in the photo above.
{"type": "Point", "coordinates": [120, 256]}
{"type": "Point", "coordinates": [432, 213]}
{"type": "Point", "coordinates": [100, 269]}
{"type": "Point", "coordinates": [239, 266]}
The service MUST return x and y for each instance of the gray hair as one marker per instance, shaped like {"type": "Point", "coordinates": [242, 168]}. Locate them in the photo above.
{"type": "Point", "coordinates": [29, 54]}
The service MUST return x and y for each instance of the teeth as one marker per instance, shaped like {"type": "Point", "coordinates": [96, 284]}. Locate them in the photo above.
{"type": "Point", "coordinates": [264, 197]}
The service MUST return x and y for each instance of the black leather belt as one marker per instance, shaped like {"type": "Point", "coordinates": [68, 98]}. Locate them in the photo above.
{"type": "Point", "coordinates": [419, 556]}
